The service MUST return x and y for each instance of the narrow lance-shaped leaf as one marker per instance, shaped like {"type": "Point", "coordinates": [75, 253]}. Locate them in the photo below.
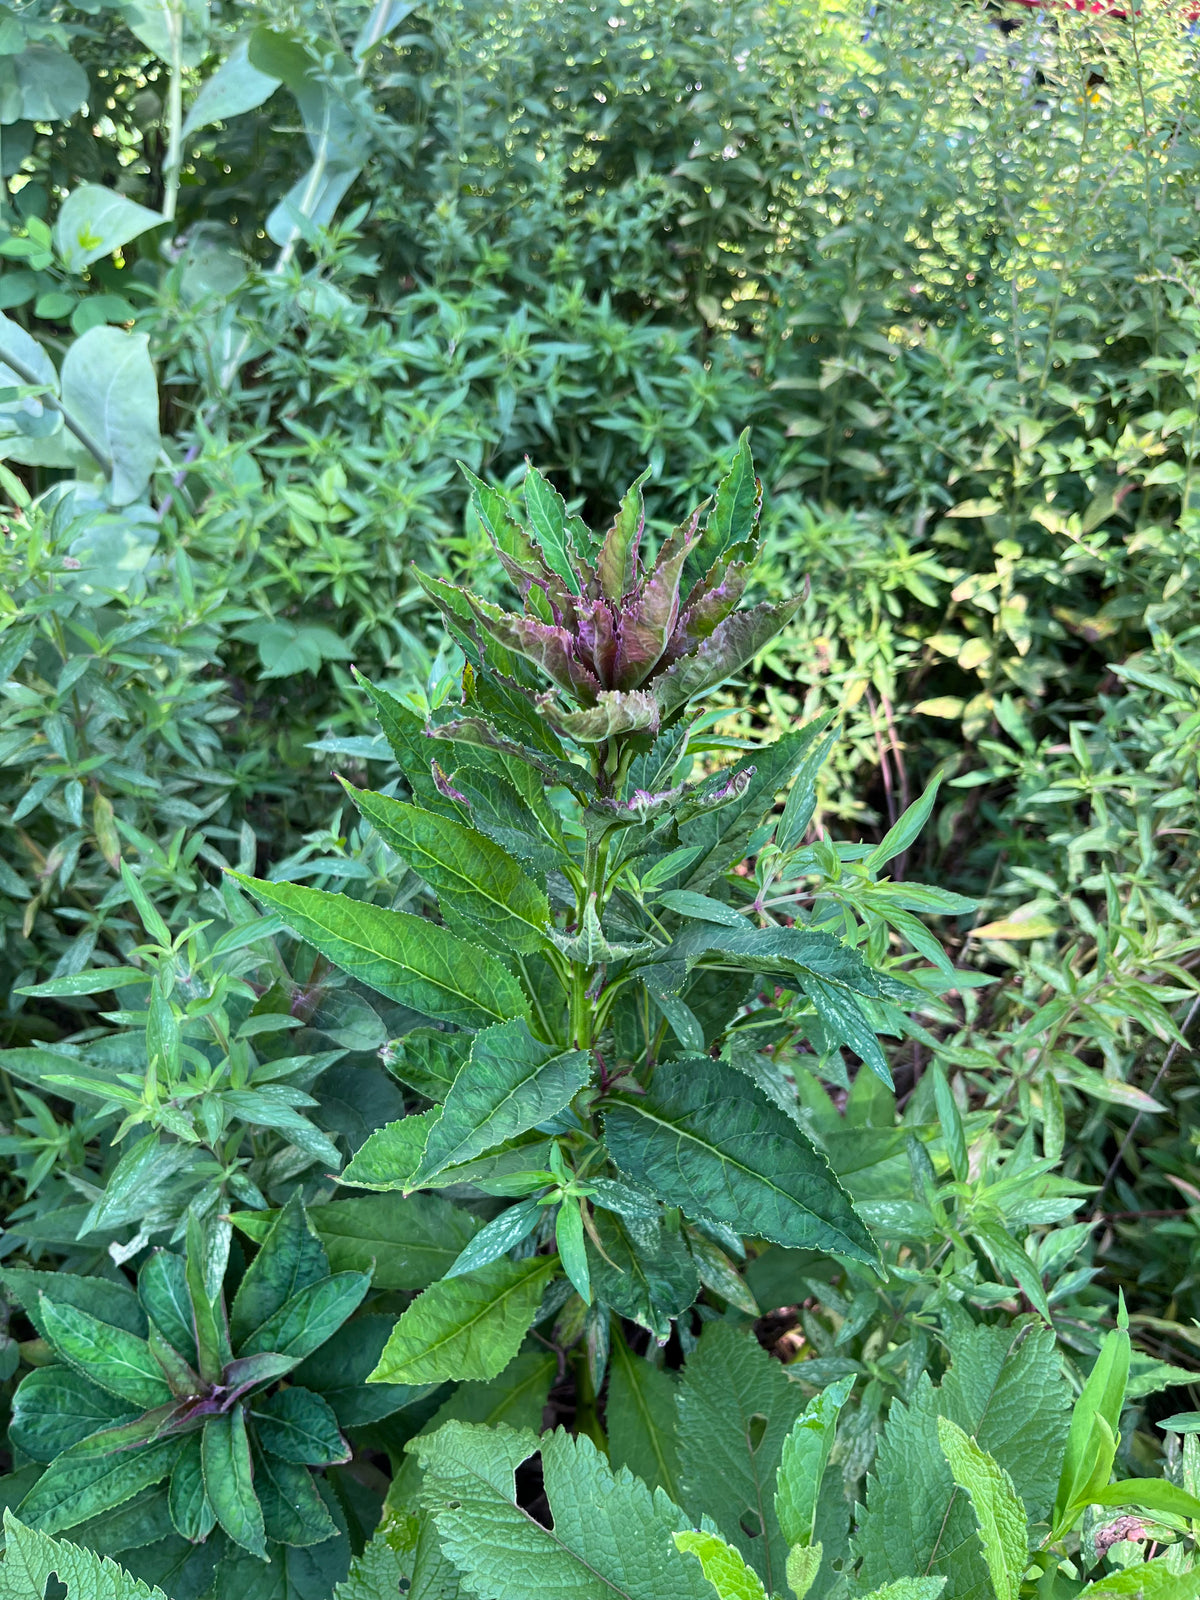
{"type": "Point", "coordinates": [805, 1457]}
{"type": "Point", "coordinates": [998, 1509]}
{"type": "Point", "coordinates": [402, 956]}
{"type": "Point", "coordinates": [705, 1139]}
{"type": "Point", "coordinates": [476, 881]}
{"type": "Point", "coordinates": [548, 521]}
{"type": "Point", "coordinates": [512, 1082]}
{"type": "Point", "coordinates": [229, 1480]}
{"type": "Point", "coordinates": [118, 1361]}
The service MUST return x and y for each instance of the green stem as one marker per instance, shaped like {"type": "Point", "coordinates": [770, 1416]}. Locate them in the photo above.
{"type": "Point", "coordinates": [28, 375]}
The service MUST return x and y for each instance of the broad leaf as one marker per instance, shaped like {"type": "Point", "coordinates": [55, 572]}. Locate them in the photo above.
{"type": "Point", "coordinates": [705, 1138]}
{"type": "Point", "coordinates": [311, 1316]}
{"type": "Point", "coordinates": [290, 1258]}
{"type": "Point", "coordinates": [56, 1407]}
{"type": "Point", "coordinates": [467, 1327]}
{"type": "Point", "coordinates": [722, 1566]}
{"type": "Point", "coordinates": [611, 1538]}
{"type": "Point", "coordinates": [511, 1083]}
{"type": "Point", "coordinates": [235, 87]}
{"type": "Point", "coordinates": [32, 1560]}
{"type": "Point", "coordinates": [402, 956]}
{"type": "Point", "coordinates": [229, 1480]}
{"type": "Point", "coordinates": [479, 886]}
{"type": "Point", "coordinates": [94, 220]}
{"type": "Point", "coordinates": [78, 1484]}
{"type": "Point", "coordinates": [115, 1359]}
{"type": "Point", "coordinates": [293, 1511]}
{"type": "Point", "coordinates": [297, 1425]}
{"type": "Point", "coordinates": [641, 1419]}
{"type": "Point", "coordinates": [108, 384]}
{"type": "Point", "coordinates": [643, 1270]}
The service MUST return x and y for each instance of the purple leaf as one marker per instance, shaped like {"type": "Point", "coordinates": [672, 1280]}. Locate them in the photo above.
{"type": "Point", "coordinates": [735, 642]}
{"type": "Point", "coordinates": [596, 635]}
{"type": "Point", "coordinates": [552, 649]}
{"type": "Point", "coordinates": [649, 620]}
{"type": "Point", "coordinates": [709, 603]}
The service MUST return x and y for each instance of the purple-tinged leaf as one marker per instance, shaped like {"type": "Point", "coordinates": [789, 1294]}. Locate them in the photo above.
{"type": "Point", "coordinates": [734, 516]}
{"type": "Point", "coordinates": [596, 634]}
{"type": "Point", "coordinates": [618, 568]}
{"type": "Point", "coordinates": [548, 523]}
{"type": "Point", "coordinates": [648, 621]}
{"type": "Point", "coordinates": [614, 712]}
{"type": "Point", "coordinates": [550, 648]}
{"type": "Point", "coordinates": [478, 731]}
{"type": "Point", "coordinates": [709, 603]}
{"type": "Point", "coordinates": [445, 787]}
{"type": "Point", "coordinates": [735, 642]}
{"type": "Point", "coordinates": [461, 612]}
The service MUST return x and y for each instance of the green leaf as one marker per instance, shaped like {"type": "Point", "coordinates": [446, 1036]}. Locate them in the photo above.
{"type": "Point", "coordinates": [722, 1566]}
{"type": "Point", "coordinates": [412, 748]}
{"type": "Point", "coordinates": [339, 1370]}
{"type": "Point", "coordinates": [1145, 1580]}
{"type": "Point", "coordinates": [388, 1158]}
{"type": "Point", "coordinates": [235, 87]}
{"type": "Point", "coordinates": [641, 1419]}
{"type": "Point", "coordinates": [94, 220]}
{"type": "Point", "coordinates": [1151, 1494]}
{"type": "Point", "coordinates": [428, 1060]}
{"type": "Point", "coordinates": [1102, 1396]}
{"type": "Point", "coordinates": [56, 1407]}
{"type": "Point", "coordinates": [467, 1328]}
{"type": "Point", "coordinates": [500, 1236]}
{"type": "Point", "coordinates": [572, 1250]}
{"type": "Point", "coordinates": [511, 1083]}
{"type": "Point", "coordinates": [706, 1139]}
{"type": "Point", "coordinates": [80, 1484]}
{"type": "Point", "coordinates": [547, 514]}
{"type": "Point", "coordinates": [297, 1425]}
{"type": "Point", "coordinates": [115, 1359]}
{"type": "Point", "coordinates": [734, 515]}
{"type": "Point", "coordinates": [480, 888]}
{"type": "Point", "coordinates": [409, 1241]}
{"type": "Point", "coordinates": [646, 1271]}
{"type": "Point", "coordinates": [950, 1118]}
{"type": "Point", "coordinates": [1008, 1256]}
{"type": "Point", "coordinates": [293, 1512]}
{"type": "Point", "coordinates": [1005, 1389]}
{"type": "Point", "coordinates": [617, 565]}
{"type": "Point", "coordinates": [610, 1539]}
{"type": "Point", "coordinates": [803, 1461]}
{"type": "Point", "coordinates": [33, 1559]}
{"type": "Point", "coordinates": [191, 1510]}
{"type": "Point", "coordinates": [108, 385]}
{"type": "Point", "coordinates": [909, 1589]}
{"type": "Point", "coordinates": [736, 1408]}
{"type": "Point", "coordinates": [803, 1564]}
{"type": "Point", "coordinates": [402, 956]}
{"type": "Point", "coordinates": [203, 1264]}
{"type": "Point", "coordinates": [229, 1480]}
{"type": "Point", "coordinates": [290, 1258]}
{"type": "Point", "coordinates": [163, 1292]}
{"type": "Point", "coordinates": [103, 1298]}
{"type": "Point", "coordinates": [311, 1316]}
{"type": "Point", "coordinates": [998, 1509]}
{"type": "Point", "coordinates": [904, 830]}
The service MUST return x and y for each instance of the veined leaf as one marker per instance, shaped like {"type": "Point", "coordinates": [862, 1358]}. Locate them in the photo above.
{"type": "Point", "coordinates": [290, 1258]}
{"type": "Point", "coordinates": [297, 1425]}
{"type": "Point", "coordinates": [312, 1315]}
{"type": "Point", "coordinates": [78, 1485]}
{"type": "Point", "coordinates": [642, 1270]}
{"type": "Point", "coordinates": [31, 1558]}
{"type": "Point", "coordinates": [641, 1419]}
{"type": "Point", "coordinates": [998, 1509]}
{"type": "Point", "coordinates": [293, 1512]}
{"type": "Point", "coordinates": [511, 1083]}
{"type": "Point", "coordinates": [617, 565]}
{"type": "Point", "coordinates": [477, 883]}
{"type": "Point", "coordinates": [163, 1292]}
{"type": "Point", "coordinates": [610, 1539]}
{"type": "Point", "coordinates": [402, 956]}
{"type": "Point", "coordinates": [547, 513]}
{"type": "Point", "coordinates": [412, 748]}
{"type": "Point", "coordinates": [904, 830]}
{"type": "Point", "coordinates": [118, 1361]}
{"type": "Point", "coordinates": [187, 1499]}
{"type": "Point", "coordinates": [706, 1139]}
{"type": "Point", "coordinates": [803, 1564]}
{"type": "Point", "coordinates": [388, 1157]}
{"type": "Point", "coordinates": [803, 1461]}
{"type": "Point", "coordinates": [57, 1407]}
{"type": "Point", "coordinates": [229, 1480]}
{"type": "Point", "coordinates": [466, 1328]}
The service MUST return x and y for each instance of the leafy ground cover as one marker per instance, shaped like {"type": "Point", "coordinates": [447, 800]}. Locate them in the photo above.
{"type": "Point", "coordinates": [598, 787]}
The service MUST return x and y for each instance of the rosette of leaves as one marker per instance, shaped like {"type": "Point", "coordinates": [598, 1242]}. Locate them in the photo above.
{"type": "Point", "coordinates": [160, 1416]}
{"type": "Point", "coordinates": [604, 971]}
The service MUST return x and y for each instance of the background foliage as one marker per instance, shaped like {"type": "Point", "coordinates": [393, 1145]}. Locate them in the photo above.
{"type": "Point", "coordinates": [266, 279]}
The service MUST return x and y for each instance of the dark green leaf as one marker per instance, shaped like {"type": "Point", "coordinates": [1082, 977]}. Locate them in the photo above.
{"type": "Point", "coordinates": [115, 1359]}
{"type": "Point", "coordinates": [290, 1258]}
{"type": "Point", "coordinates": [229, 1480]}
{"type": "Point", "coordinates": [191, 1509]}
{"type": "Point", "coordinates": [163, 1292]}
{"type": "Point", "coordinates": [297, 1425]}
{"type": "Point", "coordinates": [311, 1316]}
{"type": "Point", "coordinates": [78, 1485]}
{"type": "Point", "coordinates": [56, 1407]}
{"type": "Point", "coordinates": [293, 1512]}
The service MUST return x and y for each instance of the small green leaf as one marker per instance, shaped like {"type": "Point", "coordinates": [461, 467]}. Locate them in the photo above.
{"type": "Point", "coordinates": [904, 830]}
{"type": "Point", "coordinates": [803, 1564]}
{"type": "Point", "coordinates": [802, 1464]}
{"type": "Point", "coordinates": [297, 1425]}
{"type": "Point", "coordinates": [572, 1250]}
{"type": "Point", "coordinates": [547, 513]}
{"type": "Point", "coordinates": [998, 1509]}
{"type": "Point", "coordinates": [191, 1509]}
{"type": "Point", "coordinates": [229, 1480]}
{"type": "Point", "coordinates": [401, 955]}
{"type": "Point", "coordinates": [722, 1566]}
{"type": "Point", "coordinates": [952, 1124]}
{"type": "Point", "coordinates": [163, 1292]}
{"type": "Point", "coordinates": [311, 1316]}
{"type": "Point", "coordinates": [467, 1328]}
{"type": "Point", "coordinates": [511, 1083]}
{"type": "Point", "coordinates": [290, 1258]}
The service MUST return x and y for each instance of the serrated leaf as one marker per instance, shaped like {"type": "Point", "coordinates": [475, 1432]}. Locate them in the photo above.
{"type": "Point", "coordinates": [617, 564]}
{"type": "Point", "coordinates": [290, 1258]}
{"type": "Point", "coordinates": [736, 1407]}
{"type": "Point", "coordinates": [293, 1512]}
{"type": "Point", "coordinates": [466, 1328]}
{"type": "Point", "coordinates": [477, 883]}
{"type": "Point", "coordinates": [163, 1292]}
{"type": "Point", "coordinates": [803, 1564]}
{"type": "Point", "coordinates": [312, 1315]}
{"type": "Point", "coordinates": [643, 1270]}
{"type": "Point", "coordinates": [732, 645]}
{"type": "Point", "coordinates": [722, 1566]}
{"type": "Point", "coordinates": [229, 1480]}
{"type": "Point", "coordinates": [511, 1083]}
{"type": "Point", "coordinates": [191, 1510]}
{"type": "Point", "coordinates": [706, 1139]}
{"type": "Point", "coordinates": [547, 514]}
{"type": "Point", "coordinates": [57, 1407]}
{"type": "Point", "coordinates": [803, 1461]}
{"type": "Point", "coordinates": [499, 1236]}
{"type": "Point", "coordinates": [427, 1060]}
{"type": "Point", "coordinates": [1005, 1389]}
{"type": "Point", "coordinates": [78, 1484]}
{"type": "Point", "coordinates": [32, 1560]}
{"type": "Point", "coordinates": [610, 1539]}
{"type": "Point", "coordinates": [400, 955]}
{"type": "Point", "coordinates": [998, 1510]}
{"type": "Point", "coordinates": [388, 1158]}
{"type": "Point", "coordinates": [112, 1357]}
{"type": "Point", "coordinates": [297, 1425]}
